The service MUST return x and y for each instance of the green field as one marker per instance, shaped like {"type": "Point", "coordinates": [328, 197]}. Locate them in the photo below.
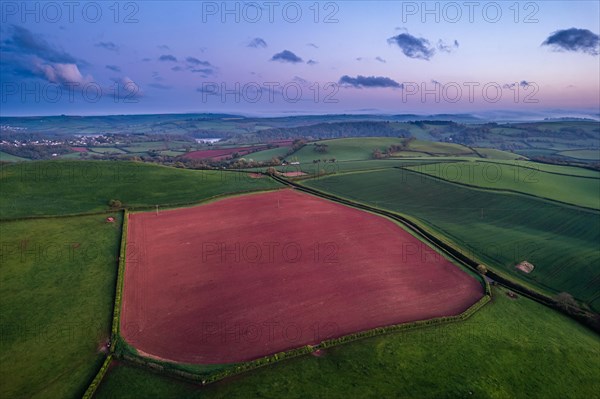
{"type": "Point", "coordinates": [351, 149]}
{"type": "Point", "coordinates": [10, 158]}
{"type": "Point", "coordinates": [569, 189]}
{"type": "Point", "coordinates": [57, 290]}
{"type": "Point", "coordinates": [499, 229]}
{"type": "Point", "coordinates": [497, 154]}
{"type": "Point", "coordinates": [507, 349]}
{"type": "Point", "coordinates": [106, 150]}
{"type": "Point", "coordinates": [267, 155]}
{"type": "Point", "coordinates": [68, 187]}
{"type": "Point", "coordinates": [544, 167]}
{"type": "Point", "coordinates": [592, 155]}
{"type": "Point", "coordinates": [144, 146]}
{"type": "Point", "coordinates": [436, 148]}
{"type": "Point", "coordinates": [73, 155]}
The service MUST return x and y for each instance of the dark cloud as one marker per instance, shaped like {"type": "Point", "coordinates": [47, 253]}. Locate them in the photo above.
{"type": "Point", "coordinates": [177, 68]}
{"type": "Point", "coordinates": [110, 46]}
{"type": "Point", "coordinates": [257, 42]}
{"type": "Point", "coordinates": [286, 56]}
{"type": "Point", "coordinates": [368, 81]}
{"type": "Point", "coordinates": [576, 40]}
{"type": "Point", "coordinates": [163, 47]}
{"type": "Point", "coordinates": [446, 48]}
{"type": "Point", "coordinates": [312, 62]}
{"type": "Point", "coordinates": [380, 59]}
{"type": "Point", "coordinates": [113, 68]}
{"type": "Point", "coordinates": [27, 55]}
{"type": "Point", "coordinates": [196, 61]}
{"type": "Point", "coordinates": [24, 42]}
{"type": "Point", "coordinates": [204, 71]}
{"type": "Point", "coordinates": [312, 45]}
{"type": "Point", "coordinates": [358, 58]}
{"type": "Point", "coordinates": [167, 57]}
{"type": "Point", "coordinates": [413, 47]}
{"type": "Point", "coordinates": [524, 84]}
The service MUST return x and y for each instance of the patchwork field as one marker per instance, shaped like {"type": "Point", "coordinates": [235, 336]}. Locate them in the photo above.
{"type": "Point", "coordinates": [253, 275]}
{"type": "Point", "coordinates": [225, 153]}
{"type": "Point", "coordinates": [499, 229]}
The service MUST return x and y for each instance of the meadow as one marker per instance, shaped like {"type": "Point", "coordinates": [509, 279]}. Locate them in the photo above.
{"type": "Point", "coordinates": [63, 187]}
{"type": "Point", "coordinates": [57, 287]}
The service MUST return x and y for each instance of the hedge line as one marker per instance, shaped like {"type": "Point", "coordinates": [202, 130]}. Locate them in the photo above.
{"type": "Point", "coordinates": [201, 201]}
{"type": "Point", "coordinates": [66, 215]}
{"type": "Point", "coordinates": [138, 208]}
{"type": "Point", "coordinates": [91, 390]}
{"type": "Point", "coordinates": [406, 326]}
{"type": "Point", "coordinates": [116, 310]}
{"type": "Point", "coordinates": [120, 278]}
{"type": "Point", "coordinates": [205, 379]}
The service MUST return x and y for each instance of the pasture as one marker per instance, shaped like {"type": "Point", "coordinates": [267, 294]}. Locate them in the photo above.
{"type": "Point", "coordinates": [63, 187]}
{"type": "Point", "coordinates": [57, 287]}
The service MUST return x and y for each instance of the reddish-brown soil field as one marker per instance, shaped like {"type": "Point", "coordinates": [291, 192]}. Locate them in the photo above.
{"type": "Point", "coordinates": [79, 149]}
{"type": "Point", "coordinates": [294, 174]}
{"type": "Point", "coordinates": [224, 153]}
{"type": "Point", "coordinates": [249, 276]}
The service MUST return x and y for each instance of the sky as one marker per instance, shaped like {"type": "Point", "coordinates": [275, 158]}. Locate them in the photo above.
{"type": "Point", "coordinates": [304, 57]}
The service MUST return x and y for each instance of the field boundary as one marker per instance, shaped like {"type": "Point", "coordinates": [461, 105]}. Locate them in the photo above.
{"type": "Point", "coordinates": [128, 353]}
{"type": "Point", "coordinates": [142, 207]}
{"type": "Point", "coordinates": [169, 368]}
{"type": "Point", "coordinates": [590, 320]}
{"type": "Point", "coordinates": [116, 318]}
{"type": "Point", "coordinates": [491, 160]}
{"type": "Point", "coordinates": [504, 190]}
{"type": "Point", "coordinates": [91, 390]}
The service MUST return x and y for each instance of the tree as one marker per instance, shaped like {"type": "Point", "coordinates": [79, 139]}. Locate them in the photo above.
{"type": "Point", "coordinates": [114, 203]}
{"type": "Point", "coordinates": [566, 301]}
{"type": "Point", "coordinates": [377, 153]}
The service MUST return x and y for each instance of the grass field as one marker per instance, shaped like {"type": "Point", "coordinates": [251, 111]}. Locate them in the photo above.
{"type": "Point", "coordinates": [10, 158]}
{"type": "Point", "coordinates": [57, 289]}
{"type": "Point", "coordinates": [437, 148]}
{"type": "Point", "coordinates": [267, 155]}
{"type": "Point", "coordinates": [106, 150]}
{"type": "Point", "coordinates": [500, 229]}
{"type": "Point", "coordinates": [506, 349]}
{"type": "Point", "coordinates": [592, 155]}
{"type": "Point", "coordinates": [543, 167]}
{"type": "Point", "coordinates": [67, 187]}
{"type": "Point", "coordinates": [351, 149]}
{"type": "Point", "coordinates": [492, 153]}
{"type": "Point", "coordinates": [569, 189]}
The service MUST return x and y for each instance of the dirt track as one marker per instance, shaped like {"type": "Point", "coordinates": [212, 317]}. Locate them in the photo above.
{"type": "Point", "coordinates": [253, 275]}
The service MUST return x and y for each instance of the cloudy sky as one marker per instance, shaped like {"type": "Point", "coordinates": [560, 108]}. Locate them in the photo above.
{"type": "Point", "coordinates": [276, 58]}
